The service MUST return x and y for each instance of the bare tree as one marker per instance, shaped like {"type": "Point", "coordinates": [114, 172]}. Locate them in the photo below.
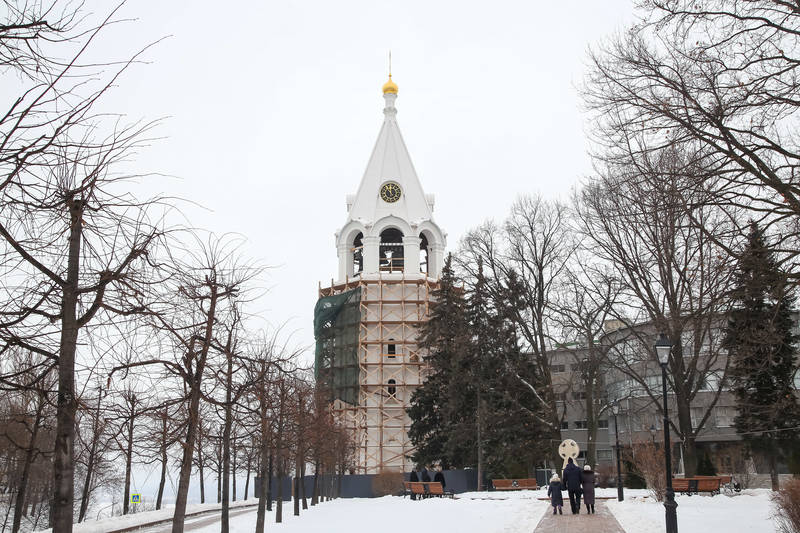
{"type": "Point", "coordinates": [719, 78]}
{"type": "Point", "coordinates": [673, 279]}
{"type": "Point", "coordinates": [522, 262]}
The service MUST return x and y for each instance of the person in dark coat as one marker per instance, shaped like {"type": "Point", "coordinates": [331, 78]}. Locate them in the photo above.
{"type": "Point", "coordinates": [425, 476]}
{"type": "Point", "coordinates": [439, 476]}
{"type": "Point", "coordinates": [413, 478]}
{"type": "Point", "coordinates": [572, 481]}
{"type": "Point", "coordinates": [554, 491]}
{"type": "Point", "coordinates": [587, 480]}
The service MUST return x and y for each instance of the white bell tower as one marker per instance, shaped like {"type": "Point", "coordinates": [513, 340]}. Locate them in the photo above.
{"type": "Point", "coordinates": [393, 251]}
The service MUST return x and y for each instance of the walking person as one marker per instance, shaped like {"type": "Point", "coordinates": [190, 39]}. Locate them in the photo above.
{"type": "Point", "coordinates": [587, 480]}
{"type": "Point", "coordinates": [554, 491]}
{"type": "Point", "coordinates": [572, 480]}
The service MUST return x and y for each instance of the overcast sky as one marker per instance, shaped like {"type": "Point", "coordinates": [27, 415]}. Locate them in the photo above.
{"type": "Point", "coordinates": [272, 108]}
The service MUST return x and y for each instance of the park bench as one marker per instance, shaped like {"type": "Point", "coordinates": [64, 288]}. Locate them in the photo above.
{"type": "Point", "coordinates": [726, 482]}
{"type": "Point", "coordinates": [426, 488]}
{"type": "Point", "coordinates": [696, 485]}
{"type": "Point", "coordinates": [514, 484]}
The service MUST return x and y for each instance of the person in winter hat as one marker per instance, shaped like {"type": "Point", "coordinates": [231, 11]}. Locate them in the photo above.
{"type": "Point", "coordinates": [554, 491]}
{"type": "Point", "coordinates": [587, 480]}
{"type": "Point", "coordinates": [572, 481]}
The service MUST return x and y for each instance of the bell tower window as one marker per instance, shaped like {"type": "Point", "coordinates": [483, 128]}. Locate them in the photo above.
{"type": "Point", "coordinates": [358, 254]}
{"type": "Point", "coordinates": [391, 388]}
{"type": "Point", "coordinates": [423, 253]}
{"type": "Point", "coordinates": [391, 349]}
{"type": "Point", "coordinates": [391, 250]}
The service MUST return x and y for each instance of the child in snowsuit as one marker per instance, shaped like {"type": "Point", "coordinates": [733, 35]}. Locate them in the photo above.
{"type": "Point", "coordinates": [554, 491]}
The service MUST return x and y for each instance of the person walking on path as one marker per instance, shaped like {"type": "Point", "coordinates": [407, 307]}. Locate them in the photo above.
{"type": "Point", "coordinates": [413, 478]}
{"type": "Point", "coordinates": [587, 480]}
{"type": "Point", "coordinates": [572, 480]}
{"type": "Point", "coordinates": [554, 491]}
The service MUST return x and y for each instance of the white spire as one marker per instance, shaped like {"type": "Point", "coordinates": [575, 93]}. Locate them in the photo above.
{"type": "Point", "coordinates": [370, 212]}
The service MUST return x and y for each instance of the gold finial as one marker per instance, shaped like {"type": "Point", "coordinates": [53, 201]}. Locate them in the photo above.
{"type": "Point", "coordinates": [390, 87]}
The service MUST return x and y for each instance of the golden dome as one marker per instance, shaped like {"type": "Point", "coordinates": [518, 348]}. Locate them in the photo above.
{"type": "Point", "coordinates": [389, 87]}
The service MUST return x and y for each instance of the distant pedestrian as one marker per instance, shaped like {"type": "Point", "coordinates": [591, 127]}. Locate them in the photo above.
{"type": "Point", "coordinates": [554, 491]}
{"type": "Point", "coordinates": [572, 480]}
{"type": "Point", "coordinates": [426, 478]}
{"type": "Point", "coordinates": [413, 478]}
{"type": "Point", "coordinates": [439, 476]}
{"type": "Point", "coordinates": [587, 480]}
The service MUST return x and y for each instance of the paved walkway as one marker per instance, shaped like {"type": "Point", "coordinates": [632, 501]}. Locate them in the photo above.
{"type": "Point", "coordinates": [600, 522]}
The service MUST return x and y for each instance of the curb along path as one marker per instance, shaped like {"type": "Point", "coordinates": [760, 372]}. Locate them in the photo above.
{"type": "Point", "coordinates": [600, 522]}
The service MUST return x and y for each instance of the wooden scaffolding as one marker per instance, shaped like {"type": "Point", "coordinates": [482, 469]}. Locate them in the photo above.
{"type": "Point", "coordinates": [391, 367]}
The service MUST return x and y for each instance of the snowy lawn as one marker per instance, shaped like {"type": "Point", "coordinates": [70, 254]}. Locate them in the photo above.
{"type": "Point", "coordinates": [486, 513]}
{"type": "Point", "coordinates": [750, 511]}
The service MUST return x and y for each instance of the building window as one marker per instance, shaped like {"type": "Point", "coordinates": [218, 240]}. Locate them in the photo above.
{"type": "Point", "coordinates": [580, 424]}
{"type": "Point", "coordinates": [391, 349]}
{"type": "Point", "coordinates": [557, 369]}
{"type": "Point", "coordinates": [579, 395]}
{"type": "Point", "coordinates": [561, 396]}
{"type": "Point", "coordinates": [391, 389]}
{"type": "Point", "coordinates": [582, 455]}
{"type": "Point", "coordinates": [602, 424]}
{"type": "Point", "coordinates": [724, 416]}
{"type": "Point", "coordinates": [564, 424]}
{"type": "Point", "coordinates": [604, 455]}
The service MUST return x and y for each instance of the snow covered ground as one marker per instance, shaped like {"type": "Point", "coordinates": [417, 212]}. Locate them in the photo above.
{"type": "Point", "coordinates": [485, 512]}
{"type": "Point", "coordinates": [515, 512]}
{"type": "Point", "coordinates": [750, 511]}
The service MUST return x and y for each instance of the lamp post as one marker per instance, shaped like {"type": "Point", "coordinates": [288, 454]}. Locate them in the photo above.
{"type": "Point", "coordinates": [615, 410]}
{"type": "Point", "coordinates": [663, 348]}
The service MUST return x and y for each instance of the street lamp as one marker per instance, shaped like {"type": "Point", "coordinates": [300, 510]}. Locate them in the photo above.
{"type": "Point", "coordinates": [663, 348]}
{"type": "Point", "coordinates": [615, 410]}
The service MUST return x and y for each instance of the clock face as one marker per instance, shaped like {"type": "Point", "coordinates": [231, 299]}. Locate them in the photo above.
{"type": "Point", "coordinates": [390, 192]}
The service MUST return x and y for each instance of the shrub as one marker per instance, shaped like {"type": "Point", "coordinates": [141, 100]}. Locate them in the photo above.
{"type": "Point", "coordinates": [649, 461]}
{"type": "Point", "coordinates": [387, 483]}
{"type": "Point", "coordinates": [605, 474]}
{"type": "Point", "coordinates": [787, 507]}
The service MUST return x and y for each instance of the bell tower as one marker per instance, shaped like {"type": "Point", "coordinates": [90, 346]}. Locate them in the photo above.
{"type": "Point", "coordinates": [391, 254]}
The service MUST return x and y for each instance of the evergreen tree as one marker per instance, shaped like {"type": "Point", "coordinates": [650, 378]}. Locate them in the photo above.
{"type": "Point", "coordinates": [762, 351]}
{"type": "Point", "coordinates": [435, 429]}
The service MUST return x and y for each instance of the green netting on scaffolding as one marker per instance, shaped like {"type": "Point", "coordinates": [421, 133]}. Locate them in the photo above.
{"type": "Point", "coordinates": [336, 325]}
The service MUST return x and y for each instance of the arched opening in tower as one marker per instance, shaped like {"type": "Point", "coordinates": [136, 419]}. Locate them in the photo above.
{"type": "Point", "coordinates": [358, 254]}
{"type": "Point", "coordinates": [391, 256]}
{"type": "Point", "coordinates": [423, 253]}
{"type": "Point", "coordinates": [392, 387]}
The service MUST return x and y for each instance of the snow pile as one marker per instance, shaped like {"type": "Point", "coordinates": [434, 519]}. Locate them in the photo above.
{"type": "Point", "coordinates": [515, 512]}
{"type": "Point", "coordinates": [750, 511]}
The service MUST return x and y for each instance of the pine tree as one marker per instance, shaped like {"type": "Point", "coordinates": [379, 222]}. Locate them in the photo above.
{"type": "Point", "coordinates": [762, 351]}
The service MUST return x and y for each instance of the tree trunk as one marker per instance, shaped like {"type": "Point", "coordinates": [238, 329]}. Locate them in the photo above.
{"type": "Point", "coordinates": [62, 504]}
{"type": "Point", "coordinates": [233, 467]}
{"type": "Point", "coordinates": [129, 458]}
{"type": "Point", "coordinates": [279, 502]}
{"type": "Point", "coordinates": [303, 485]}
{"type": "Point", "coordinates": [591, 422]}
{"type": "Point", "coordinates": [194, 417]}
{"type": "Point", "coordinates": [269, 483]}
{"type": "Point", "coordinates": [264, 487]}
{"type": "Point", "coordinates": [773, 469]}
{"type": "Point", "coordinates": [296, 487]}
{"type": "Point", "coordinates": [247, 479]}
{"type": "Point", "coordinates": [479, 443]}
{"type": "Point", "coordinates": [315, 489]}
{"type": "Point", "coordinates": [87, 482]}
{"type": "Point", "coordinates": [226, 452]}
{"type": "Point", "coordinates": [164, 459]}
